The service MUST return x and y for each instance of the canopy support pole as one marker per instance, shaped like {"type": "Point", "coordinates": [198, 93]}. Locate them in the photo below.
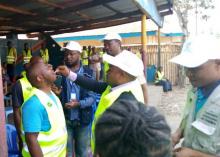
{"type": "Point", "coordinates": [159, 49]}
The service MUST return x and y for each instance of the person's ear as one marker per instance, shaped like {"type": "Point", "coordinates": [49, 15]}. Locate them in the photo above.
{"type": "Point", "coordinates": [39, 78]}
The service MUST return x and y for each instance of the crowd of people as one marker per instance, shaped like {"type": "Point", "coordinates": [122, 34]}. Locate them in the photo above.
{"type": "Point", "coordinates": [56, 112]}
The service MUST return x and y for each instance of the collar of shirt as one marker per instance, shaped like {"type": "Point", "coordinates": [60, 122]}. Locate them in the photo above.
{"type": "Point", "coordinates": [207, 90]}
{"type": "Point", "coordinates": [123, 85]}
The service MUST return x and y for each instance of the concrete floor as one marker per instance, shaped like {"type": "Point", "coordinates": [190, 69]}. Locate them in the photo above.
{"type": "Point", "coordinates": [155, 99]}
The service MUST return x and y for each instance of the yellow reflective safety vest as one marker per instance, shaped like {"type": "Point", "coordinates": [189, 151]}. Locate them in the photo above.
{"type": "Point", "coordinates": [160, 76]}
{"type": "Point", "coordinates": [108, 98]}
{"type": "Point", "coordinates": [53, 142]}
{"type": "Point", "coordinates": [84, 57]}
{"type": "Point", "coordinates": [45, 55]}
{"type": "Point", "coordinates": [26, 92]}
{"type": "Point", "coordinates": [26, 88]}
{"type": "Point", "coordinates": [26, 56]}
{"type": "Point", "coordinates": [11, 56]}
{"type": "Point", "coordinates": [106, 68]}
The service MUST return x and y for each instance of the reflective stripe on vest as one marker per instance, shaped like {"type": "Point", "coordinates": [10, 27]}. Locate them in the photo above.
{"type": "Point", "coordinates": [10, 56]}
{"type": "Point", "coordinates": [27, 56]}
{"type": "Point", "coordinates": [108, 98]}
{"type": "Point", "coordinates": [45, 55]}
{"type": "Point", "coordinates": [26, 88]}
{"type": "Point", "coordinates": [53, 142]}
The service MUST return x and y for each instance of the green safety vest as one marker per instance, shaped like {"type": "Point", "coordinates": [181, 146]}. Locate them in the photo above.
{"type": "Point", "coordinates": [10, 58]}
{"type": "Point", "coordinates": [108, 98]}
{"type": "Point", "coordinates": [201, 132]}
{"type": "Point", "coordinates": [45, 55]}
{"type": "Point", "coordinates": [26, 56]}
{"type": "Point", "coordinates": [53, 142]}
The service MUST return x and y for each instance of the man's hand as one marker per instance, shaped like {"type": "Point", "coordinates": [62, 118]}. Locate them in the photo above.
{"type": "Point", "coordinates": [95, 58]}
{"type": "Point", "coordinates": [176, 137]}
{"type": "Point", "coordinates": [72, 104]}
{"type": "Point", "coordinates": [62, 70]}
{"type": "Point", "coordinates": [187, 152]}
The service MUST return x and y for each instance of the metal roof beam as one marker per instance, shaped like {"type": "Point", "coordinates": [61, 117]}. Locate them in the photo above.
{"type": "Point", "coordinates": [54, 5]}
{"type": "Point", "coordinates": [16, 10]}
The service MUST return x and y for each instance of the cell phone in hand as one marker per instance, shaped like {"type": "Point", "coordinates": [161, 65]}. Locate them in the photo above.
{"type": "Point", "coordinates": [58, 81]}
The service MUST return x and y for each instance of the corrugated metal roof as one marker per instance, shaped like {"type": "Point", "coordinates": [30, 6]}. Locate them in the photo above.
{"type": "Point", "coordinates": [61, 16]}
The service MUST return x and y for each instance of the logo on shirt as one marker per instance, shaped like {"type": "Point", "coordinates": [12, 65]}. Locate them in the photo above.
{"type": "Point", "coordinates": [49, 104]}
{"type": "Point", "coordinates": [29, 88]}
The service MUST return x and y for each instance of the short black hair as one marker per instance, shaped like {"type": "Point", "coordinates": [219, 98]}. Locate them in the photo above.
{"type": "Point", "coordinates": [130, 129]}
{"type": "Point", "coordinates": [32, 72]}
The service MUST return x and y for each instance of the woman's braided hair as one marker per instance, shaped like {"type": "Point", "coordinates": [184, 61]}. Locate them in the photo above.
{"type": "Point", "coordinates": [130, 129]}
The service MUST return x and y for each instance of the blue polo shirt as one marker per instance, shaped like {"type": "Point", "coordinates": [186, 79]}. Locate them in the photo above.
{"type": "Point", "coordinates": [203, 93]}
{"type": "Point", "coordinates": [34, 115]}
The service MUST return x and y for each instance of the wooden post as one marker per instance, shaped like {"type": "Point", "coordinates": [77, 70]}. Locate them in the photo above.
{"type": "Point", "coordinates": [143, 31]}
{"type": "Point", "coordinates": [159, 52]}
{"type": "Point", "coordinates": [3, 144]}
{"type": "Point", "coordinates": [144, 42]}
{"type": "Point", "coordinates": [144, 56]}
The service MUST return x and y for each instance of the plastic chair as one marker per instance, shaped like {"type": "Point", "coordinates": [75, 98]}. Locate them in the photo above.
{"type": "Point", "coordinates": [12, 143]}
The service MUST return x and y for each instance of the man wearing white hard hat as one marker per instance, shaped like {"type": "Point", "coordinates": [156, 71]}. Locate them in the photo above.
{"type": "Point", "coordinates": [112, 45]}
{"type": "Point", "coordinates": [200, 126]}
{"type": "Point", "coordinates": [122, 82]}
{"type": "Point", "coordinates": [78, 103]}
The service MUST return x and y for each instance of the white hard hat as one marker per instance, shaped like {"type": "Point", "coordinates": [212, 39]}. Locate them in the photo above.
{"type": "Point", "coordinates": [72, 45]}
{"type": "Point", "coordinates": [126, 61]}
{"type": "Point", "coordinates": [198, 50]}
{"type": "Point", "coordinates": [112, 36]}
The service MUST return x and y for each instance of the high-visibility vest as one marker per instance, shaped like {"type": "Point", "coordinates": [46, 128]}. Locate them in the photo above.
{"type": "Point", "coordinates": [84, 57]}
{"type": "Point", "coordinates": [26, 92]}
{"type": "Point", "coordinates": [26, 87]}
{"type": "Point", "coordinates": [201, 131]}
{"type": "Point", "coordinates": [108, 98]}
{"type": "Point", "coordinates": [45, 55]}
{"type": "Point", "coordinates": [106, 68]}
{"type": "Point", "coordinates": [11, 56]}
{"type": "Point", "coordinates": [53, 142]}
{"type": "Point", "coordinates": [26, 56]}
{"type": "Point", "coordinates": [160, 76]}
